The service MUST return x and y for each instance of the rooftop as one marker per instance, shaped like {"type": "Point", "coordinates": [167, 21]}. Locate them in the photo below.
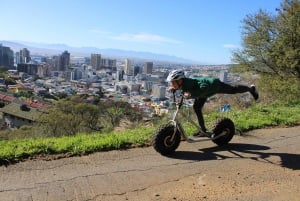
{"type": "Point", "coordinates": [14, 109]}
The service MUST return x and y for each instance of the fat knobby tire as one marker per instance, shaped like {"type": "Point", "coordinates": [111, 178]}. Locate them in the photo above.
{"type": "Point", "coordinates": [223, 124]}
{"type": "Point", "coordinates": [162, 139]}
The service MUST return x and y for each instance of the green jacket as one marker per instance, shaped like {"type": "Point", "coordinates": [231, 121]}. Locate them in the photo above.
{"type": "Point", "coordinates": [201, 87]}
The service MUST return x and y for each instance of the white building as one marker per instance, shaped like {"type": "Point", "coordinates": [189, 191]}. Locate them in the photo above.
{"type": "Point", "coordinates": [223, 76]}
{"type": "Point", "coordinates": [134, 87]}
{"type": "Point", "coordinates": [147, 85]}
{"type": "Point", "coordinates": [127, 68]}
{"type": "Point", "coordinates": [159, 91]}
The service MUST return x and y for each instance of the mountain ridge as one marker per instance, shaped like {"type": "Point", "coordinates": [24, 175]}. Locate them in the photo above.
{"type": "Point", "coordinates": [45, 49]}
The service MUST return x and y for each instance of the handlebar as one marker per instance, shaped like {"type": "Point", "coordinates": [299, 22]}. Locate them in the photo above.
{"type": "Point", "coordinates": [180, 103]}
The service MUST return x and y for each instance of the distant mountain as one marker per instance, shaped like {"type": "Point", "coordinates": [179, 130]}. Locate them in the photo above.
{"type": "Point", "coordinates": [54, 49]}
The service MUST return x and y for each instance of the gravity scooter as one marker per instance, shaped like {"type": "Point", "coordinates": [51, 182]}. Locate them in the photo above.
{"type": "Point", "coordinates": [167, 138]}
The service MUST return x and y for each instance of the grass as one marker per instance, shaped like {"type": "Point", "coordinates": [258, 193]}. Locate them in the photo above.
{"type": "Point", "coordinates": [257, 116]}
{"type": "Point", "coordinates": [75, 145]}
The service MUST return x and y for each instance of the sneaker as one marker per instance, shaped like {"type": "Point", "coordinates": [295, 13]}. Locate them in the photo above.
{"type": "Point", "coordinates": [254, 92]}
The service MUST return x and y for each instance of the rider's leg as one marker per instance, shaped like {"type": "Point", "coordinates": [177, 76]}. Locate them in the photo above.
{"type": "Point", "coordinates": [198, 105]}
{"type": "Point", "coordinates": [233, 89]}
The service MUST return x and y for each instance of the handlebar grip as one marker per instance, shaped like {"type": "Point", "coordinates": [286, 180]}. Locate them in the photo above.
{"type": "Point", "coordinates": [172, 91]}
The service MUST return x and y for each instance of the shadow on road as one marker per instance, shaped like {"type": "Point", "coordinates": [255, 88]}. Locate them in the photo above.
{"type": "Point", "coordinates": [258, 152]}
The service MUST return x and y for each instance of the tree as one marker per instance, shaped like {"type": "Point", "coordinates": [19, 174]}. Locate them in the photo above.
{"type": "Point", "coordinates": [115, 111]}
{"type": "Point", "coordinates": [100, 93]}
{"type": "Point", "coordinates": [68, 117]}
{"type": "Point", "coordinates": [7, 79]}
{"type": "Point", "coordinates": [3, 69]}
{"type": "Point", "coordinates": [271, 46]}
{"type": "Point", "coordinates": [72, 115]}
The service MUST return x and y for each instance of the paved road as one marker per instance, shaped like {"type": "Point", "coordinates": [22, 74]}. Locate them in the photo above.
{"type": "Point", "coordinates": [262, 165]}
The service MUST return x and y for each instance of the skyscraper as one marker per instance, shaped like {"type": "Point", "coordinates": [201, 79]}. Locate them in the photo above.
{"type": "Point", "coordinates": [96, 61]}
{"type": "Point", "coordinates": [127, 69]}
{"type": "Point", "coordinates": [24, 56]}
{"type": "Point", "coordinates": [136, 70]}
{"type": "Point", "coordinates": [148, 67]}
{"type": "Point", "coordinates": [64, 61]}
{"type": "Point", "coordinates": [109, 64]}
{"type": "Point", "coordinates": [54, 61]}
{"type": "Point", "coordinates": [6, 57]}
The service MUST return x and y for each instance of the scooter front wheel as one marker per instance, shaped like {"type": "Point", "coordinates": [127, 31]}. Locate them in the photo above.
{"type": "Point", "coordinates": [165, 141]}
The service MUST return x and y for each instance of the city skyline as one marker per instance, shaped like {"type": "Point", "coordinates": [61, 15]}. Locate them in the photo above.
{"type": "Point", "coordinates": [202, 31]}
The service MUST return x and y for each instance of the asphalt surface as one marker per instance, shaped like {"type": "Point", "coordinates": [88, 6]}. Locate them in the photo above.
{"type": "Point", "coordinates": [261, 165]}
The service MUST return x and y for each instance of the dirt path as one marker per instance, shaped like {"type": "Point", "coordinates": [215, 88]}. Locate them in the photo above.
{"type": "Point", "coordinates": [263, 165]}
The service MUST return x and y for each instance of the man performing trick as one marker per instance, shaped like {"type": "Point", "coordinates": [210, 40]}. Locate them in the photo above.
{"type": "Point", "coordinates": [202, 88]}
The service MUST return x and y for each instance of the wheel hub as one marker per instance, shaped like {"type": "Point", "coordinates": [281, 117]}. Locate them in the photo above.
{"type": "Point", "coordinates": [168, 142]}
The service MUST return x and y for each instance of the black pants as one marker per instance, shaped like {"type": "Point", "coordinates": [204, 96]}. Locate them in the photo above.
{"type": "Point", "coordinates": [223, 89]}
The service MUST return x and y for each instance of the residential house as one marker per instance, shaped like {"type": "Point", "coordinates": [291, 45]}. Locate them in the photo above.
{"type": "Point", "coordinates": [15, 115]}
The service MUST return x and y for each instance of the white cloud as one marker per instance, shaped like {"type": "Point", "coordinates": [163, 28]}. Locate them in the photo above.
{"type": "Point", "coordinates": [230, 46]}
{"type": "Point", "coordinates": [138, 37]}
{"type": "Point", "coordinates": [145, 38]}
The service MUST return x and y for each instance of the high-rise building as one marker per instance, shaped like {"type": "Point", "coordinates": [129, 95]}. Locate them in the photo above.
{"type": "Point", "coordinates": [96, 61]}
{"type": "Point", "coordinates": [127, 68]}
{"type": "Point", "coordinates": [119, 74]}
{"type": "Point", "coordinates": [17, 57]}
{"type": "Point", "coordinates": [24, 56]}
{"type": "Point", "coordinates": [29, 68]}
{"type": "Point", "coordinates": [6, 57]}
{"type": "Point", "coordinates": [136, 70]}
{"type": "Point", "coordinates": [109, 64]}
{"type": "Point", "coordinates": [43, 69]}
{"type": "Point", "coordinates": [148, 67]}
{"type": "Point", "coordinates": [54, 62]}
{"type": "Point", "coordinates": [64, 61]}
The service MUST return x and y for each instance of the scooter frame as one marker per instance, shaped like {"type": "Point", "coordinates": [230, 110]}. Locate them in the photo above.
{"type": "Point", "coordinates": [177, 125]}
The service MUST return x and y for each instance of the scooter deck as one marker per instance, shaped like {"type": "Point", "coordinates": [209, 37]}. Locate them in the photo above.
{"type": "Point", "coordinates": [212, 136]}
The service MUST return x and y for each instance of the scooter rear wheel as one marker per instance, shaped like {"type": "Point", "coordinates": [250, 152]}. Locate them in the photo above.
{"type": "Point", "coordinates": [223, 125]}
{"type": "Point", "coordinates": [162, 139]}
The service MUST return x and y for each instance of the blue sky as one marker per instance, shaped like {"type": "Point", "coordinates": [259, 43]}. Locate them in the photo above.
{"type": "Point", "coordinates": [201, 30]}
